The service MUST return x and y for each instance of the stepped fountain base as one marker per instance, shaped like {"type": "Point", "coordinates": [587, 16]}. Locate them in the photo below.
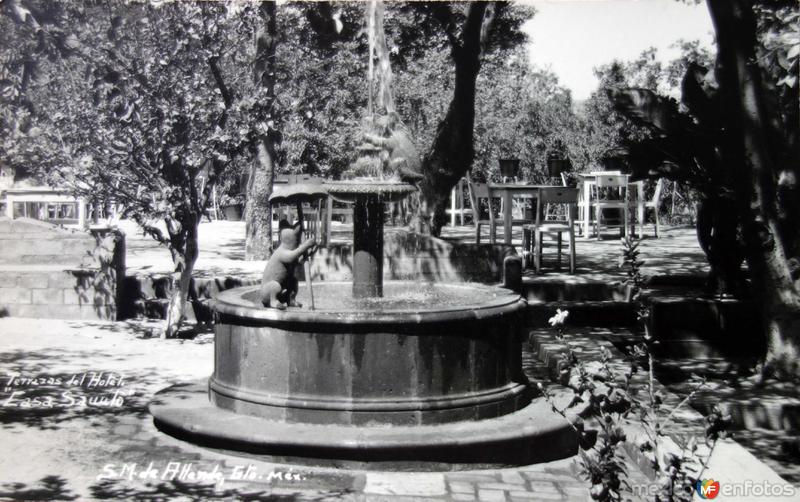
{"type": "Point", "coordinates": [530, 435]}
{"type": "Point", "coordinates": [429, 373]}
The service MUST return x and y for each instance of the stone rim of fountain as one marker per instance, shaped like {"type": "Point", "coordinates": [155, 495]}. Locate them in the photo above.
{"type": "Point", "coordinates": [500, 301]}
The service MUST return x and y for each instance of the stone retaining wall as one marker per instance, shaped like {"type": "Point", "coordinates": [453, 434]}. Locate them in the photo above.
{"type": "Point", "coordinates": [67, 294]}
{"type": "Point", "coordinates": [705, 327]}
{"type": "Point", "coordinates": [52, 272]}
{"type": "Point", "coordinates": [409, 255]}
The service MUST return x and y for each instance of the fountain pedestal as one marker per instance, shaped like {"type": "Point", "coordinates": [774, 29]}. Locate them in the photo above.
{"type": "Point", "coordinates": [369, 198]}
{"type": "Point", "coordinates": [368, 248]}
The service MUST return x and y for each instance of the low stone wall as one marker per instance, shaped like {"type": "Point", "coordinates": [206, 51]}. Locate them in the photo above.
{"type": "Point", "coordinates": [24, 241]}
{"type": "Point", "coordinates": [148, 295]}
{"type": "Point", "coordinates": [705, 327]}
{"type": "Point", "coordinates": [52, 272]}
{"type": "Point", "coordinates": [408, 255]}
{"type": "Point", "coordinates": [66, 294]}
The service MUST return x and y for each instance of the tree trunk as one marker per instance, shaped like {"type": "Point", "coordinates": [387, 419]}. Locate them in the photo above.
{"type": "Point", "coordinates": [258, 212]}
{"type": "Point", "coordinates": [717, 225]}
{"type": "Point", "coordinates": [751, 126]}
{"type": "Point", "coordinates": [184, 249]}
{"type": "Point", "coordinates": [451, 155]}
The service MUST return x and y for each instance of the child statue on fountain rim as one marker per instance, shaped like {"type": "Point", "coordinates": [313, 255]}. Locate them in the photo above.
{"type": "Point", "coordinates": [278, 283]}
{"type": "Point", "coordinates": [403, 158]}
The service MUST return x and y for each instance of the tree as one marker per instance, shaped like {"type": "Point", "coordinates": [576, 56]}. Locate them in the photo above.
{"type": "Point", "coordinates": [322, 113]}
{"type": "Point", "coordinates": [604, 128]}
{"type": "Point", "coordinates": [117, 109]}
{"type": "Point", "coordinates": [471, 30]}
{"type": "Point", "coordinates": [738, 143]}
{"type": "Point", "coordinates": [521, 112]}
{"type": "Point", "coordinates": [320, 86]}
{"type": "Point", "coordinates": [258, 212]}
{"type": "Point", "coordinates": [766, 167]}
{"type": "Point", "coordinates": [631, 120]}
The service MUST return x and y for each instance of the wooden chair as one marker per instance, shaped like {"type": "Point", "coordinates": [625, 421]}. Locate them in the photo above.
{"type": "Point", "coordinates": [610, 192]}
{"type": "Point", "coordinates": [457, 209]}
{"type": "Point", "coordinates": [567, 198]}
{"type": "Point", "coordinates": [478, 191]}
{"type": "Point", "coordinates": [653, 204]}
{"type": "Point", "coordinates": [582, 208]}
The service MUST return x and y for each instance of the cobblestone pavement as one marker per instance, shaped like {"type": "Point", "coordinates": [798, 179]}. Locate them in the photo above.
{"type": "Point", "coordinates": [68, 436]}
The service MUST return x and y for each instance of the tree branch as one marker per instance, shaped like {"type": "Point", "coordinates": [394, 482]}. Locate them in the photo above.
{"type": "Point", "coordinates": [442, 13]}
{"type": "Point", "coordinates": [223, 89]}
{"type": "Point", "coordinates": [476, 28]}
{"type": "Point", "coordinates": [488, 23]}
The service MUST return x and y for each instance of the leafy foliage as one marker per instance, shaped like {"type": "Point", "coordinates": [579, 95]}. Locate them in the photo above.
{"type": "Point", "coordinates": [614, 403]}
{"type": "Point", "coordinates": [521, 112]}
{"type": "Point", "coordinates": [632, 265]}
{"type": "Point", "coordinates": [324, 110]}
{"type": "Point", "coordinates": [318, 89]}
{"type": "Point", "coordinates": [129, 114]}
{"type": "Point", "coordinates": [111, 108]}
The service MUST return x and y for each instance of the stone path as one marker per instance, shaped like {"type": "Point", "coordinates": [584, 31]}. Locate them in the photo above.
{"type": "Point", "coordinates": [56, 446]}
{"type": "Point", "coordinates": [103, 449]}
{"type": "Point", "coordinates": [765, 415]}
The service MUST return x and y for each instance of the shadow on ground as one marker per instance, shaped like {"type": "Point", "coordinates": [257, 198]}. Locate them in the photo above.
{"type": "Point", "coordinates": [55, 488]}
{"type": "Point", "coordinates": [145, 329]}
{"type": "Point", "coordinates": [47, 400]}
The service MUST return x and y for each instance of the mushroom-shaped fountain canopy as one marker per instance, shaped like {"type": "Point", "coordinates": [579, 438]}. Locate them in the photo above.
{"type": "Point", "coordinates": [298, 192]}
{"type": "Point", "coordinates": [366, 189]}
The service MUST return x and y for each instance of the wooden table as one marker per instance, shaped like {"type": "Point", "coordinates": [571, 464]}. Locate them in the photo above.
{"type": "Point", "coordinates": [507, 191]}
{"type": "Point", "coordinates": [589, 180]}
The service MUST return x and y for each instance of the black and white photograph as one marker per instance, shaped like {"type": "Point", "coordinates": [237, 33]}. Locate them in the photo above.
{"type": "Point", "coordinates": [400, 251]}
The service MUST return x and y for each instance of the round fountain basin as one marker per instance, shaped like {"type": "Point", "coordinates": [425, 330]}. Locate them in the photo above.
{"type": "Point", "coordinates": [423, 354]}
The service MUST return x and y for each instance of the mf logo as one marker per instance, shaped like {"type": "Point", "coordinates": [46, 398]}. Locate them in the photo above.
{"type": "Point", "coordinates": [707, 488]}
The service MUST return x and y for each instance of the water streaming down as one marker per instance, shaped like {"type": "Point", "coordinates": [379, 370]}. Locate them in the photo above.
{"type": "Point", "coordinates": [388, 151]}
{"type": "Point", "coordinates": [387, 159]}
{"type": "Point", "coordinates": [380, 84]}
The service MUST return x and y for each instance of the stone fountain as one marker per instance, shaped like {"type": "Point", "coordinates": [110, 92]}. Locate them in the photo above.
{"type": "Point", "coordinates": [395, 371]}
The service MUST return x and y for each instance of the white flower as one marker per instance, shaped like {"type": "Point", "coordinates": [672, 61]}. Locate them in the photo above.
{"type": "Point", "coordinates": [85, 162]}
{"type": "Point", "coordinates": [559, 318]}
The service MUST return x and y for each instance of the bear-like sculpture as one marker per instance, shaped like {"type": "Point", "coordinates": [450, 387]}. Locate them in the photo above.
{"type": "Point", "coordinates": [278, 283]}
{"type": "Point", "coordinates": [400, 158]}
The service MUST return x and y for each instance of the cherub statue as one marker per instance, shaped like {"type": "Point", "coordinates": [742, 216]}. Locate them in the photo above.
{"type": "Point", "coordinates": [402, 158]}
{"type": "Point", "coordinates": [278, 284]}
